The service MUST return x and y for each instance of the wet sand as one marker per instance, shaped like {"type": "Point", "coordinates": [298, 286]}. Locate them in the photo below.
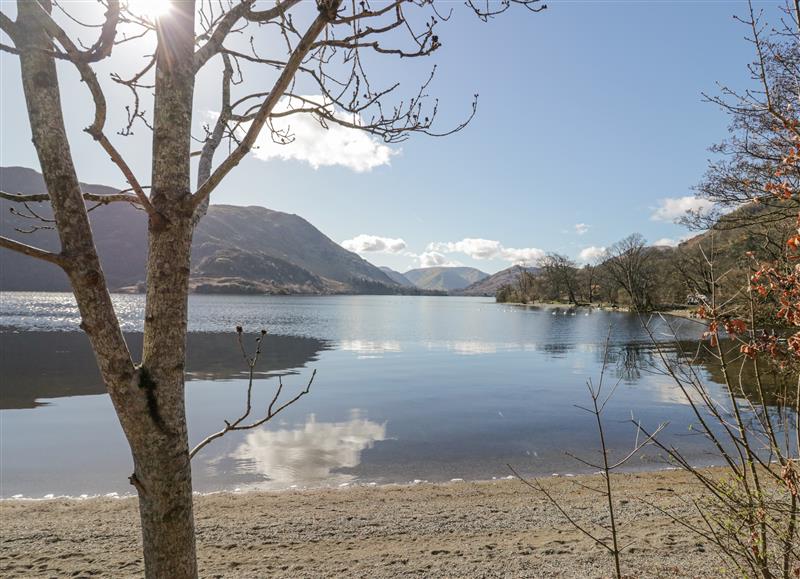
{"type": "Point", "coordinates": [459, 529]}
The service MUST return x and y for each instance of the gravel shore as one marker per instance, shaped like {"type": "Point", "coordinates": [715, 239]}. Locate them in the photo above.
{"type": "Point", "coordinates": [460, 529]}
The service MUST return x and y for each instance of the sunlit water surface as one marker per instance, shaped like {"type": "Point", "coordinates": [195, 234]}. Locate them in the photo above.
{"type": "Point", "coordinates": [407, 388]}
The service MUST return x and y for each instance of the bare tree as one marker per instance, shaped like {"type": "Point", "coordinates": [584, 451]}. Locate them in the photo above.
{"type": "Point", "coordinates": [322, 48]}
{"type": "Point", "coordinates": [522, 290]}
{"type": "Point", "coordinates": [526, 282]}
{"type": "Point", "coordinates": [560, 274]}
{"type": "Point", "coordinates": [629, 265]}
{"type": "Point", "coordinates": [587, 279]}
{"type": "Point", "coordinates": [751, 508]}
{"type": "Point", "coordinates": [691, 266]}
{"type": "Point", "coordinates": [738, 179]}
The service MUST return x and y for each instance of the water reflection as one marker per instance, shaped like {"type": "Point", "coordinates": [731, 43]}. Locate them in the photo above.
{"type": "Point", "coordinates": [779, 387]}
{"type": "Point", "coordinates": [38, 365]}
{"type": "Point", "coordinates": [630, 360]}
{"type": "Point", "coordinates": [310, 454]}
{"type": "Point", "coordinates": [370, 348]}
{"type": "Point", "coordinates": [557, 350]}
{"type": "Point", "coordinates": [470, 347]}
{"type": "Point", "coordinates": [465, 385]}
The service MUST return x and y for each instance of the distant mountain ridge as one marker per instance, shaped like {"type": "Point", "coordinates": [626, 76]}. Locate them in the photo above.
{"type": "Point", "coordinates": [397, 277]}
{"type": "Point", "coordinates": [444, 278]}
{"type": "Point", "coordinates": [234, 250]}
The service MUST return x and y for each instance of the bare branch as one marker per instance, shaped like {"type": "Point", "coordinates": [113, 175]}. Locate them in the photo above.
{"type": "Point", "coordinates": [487, 9]}
{"type": "Point", "coordinates": [271, 412]}
{"type": "Point", "coordinates": [214, 138]}
{"type": "Point", "coordinates": [96, 128]}
{"type": "Point", "coordinates": [227, 22]}
{"type": "Point", "coordinates": [9, 27]}
{"type": "Point", "coordinates": [285, 78]}
{"type": "Point", "coordinates": [43, 197]}
{"type": "Point", "coordinates": [32, 251]}
{"type": "Point", "coordinates": [102, 48]}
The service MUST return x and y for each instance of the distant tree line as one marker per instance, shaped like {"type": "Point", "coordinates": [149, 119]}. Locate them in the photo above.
{"type": "Point", "coordinates": [632, 274]}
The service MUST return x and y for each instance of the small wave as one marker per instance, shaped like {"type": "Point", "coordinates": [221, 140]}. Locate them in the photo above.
{"type": "Point", "coordinates": [81, 497]}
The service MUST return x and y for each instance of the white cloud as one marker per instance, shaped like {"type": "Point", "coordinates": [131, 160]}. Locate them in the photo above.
{"type": "Point", "coordinates": [591, 253]}
{"type": "Point", "coordinates": [320, 146]}
{"type": "Point", "coordinates": [478, 248]}
{"type": "Point", "coordinates": [665, 242]}
{"type": "Point", "coordinates": [581, 228]}
{"type": "Point", "coordinates": [435, 259]}
{"type": "Point", "coordinates": [525, 255]}
{"type": "Point", "coordinates": [374, 243]}
{"type": "Point", "coordinates": [673, 208]}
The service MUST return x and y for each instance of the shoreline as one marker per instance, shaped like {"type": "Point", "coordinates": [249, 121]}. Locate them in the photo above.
{"type": "Point", "coordinates": [343, 487]}
{"type": "Point", "coordinates": [687, 313]}
{"type": "Point", "coordinates": [491, 529]}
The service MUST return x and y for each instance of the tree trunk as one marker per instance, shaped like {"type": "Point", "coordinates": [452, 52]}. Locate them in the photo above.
{"type": "Point", "coordinates": [163, 472]}
{"type": "Point", "coordinates": [163, 475]}
{"type": "Point", "coordinates": [149, 400]}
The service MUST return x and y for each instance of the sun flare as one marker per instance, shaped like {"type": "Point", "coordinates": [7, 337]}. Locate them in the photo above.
{"type": "Point", "coordinates": [149, 9]}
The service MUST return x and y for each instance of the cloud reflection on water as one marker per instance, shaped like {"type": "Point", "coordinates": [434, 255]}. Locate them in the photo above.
{"type": "Point", "coordinates": [370, 348]}
{"type": "Point", "coordinates": [311, 453]}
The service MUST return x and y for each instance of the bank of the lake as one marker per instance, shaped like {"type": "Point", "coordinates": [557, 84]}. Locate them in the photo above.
{"type": "Point", "coordinates": [688, 312]}
{"type": "Point", "coordinates": [460, 529]}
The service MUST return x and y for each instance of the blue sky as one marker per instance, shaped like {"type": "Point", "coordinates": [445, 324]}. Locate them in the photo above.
{"type": "Point", "coordinates": [590, 117]}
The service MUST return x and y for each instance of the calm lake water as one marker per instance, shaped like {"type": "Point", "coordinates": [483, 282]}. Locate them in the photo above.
{"type": "Point", "coordinates": [407, 388]}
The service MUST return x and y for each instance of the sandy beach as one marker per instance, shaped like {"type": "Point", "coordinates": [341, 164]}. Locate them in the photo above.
{"type": "Point", "coordinates": [459, 529]}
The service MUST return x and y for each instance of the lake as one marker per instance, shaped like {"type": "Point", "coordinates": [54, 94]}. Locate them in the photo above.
{"type": "Point", "coordinates": [407, 388]}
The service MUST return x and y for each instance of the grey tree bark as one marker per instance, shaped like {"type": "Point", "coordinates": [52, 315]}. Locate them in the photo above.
{"type": "Point", "coordinates": [162, 466]}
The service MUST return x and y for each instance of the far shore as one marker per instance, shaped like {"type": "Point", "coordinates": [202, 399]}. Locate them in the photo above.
{"type": "Point", "coordinates": [458, 529]}
{"type": "Point", "coordinates": [688, 312]}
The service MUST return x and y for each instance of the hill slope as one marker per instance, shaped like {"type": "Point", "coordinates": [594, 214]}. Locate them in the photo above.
{"type": "Point", "coordinates": [235, 249]}
{"type": "Point", "coordinates": [397, 277]}
{"type": "Point", "coordinates": [751, 228]}
{"type": "Point", "coordinates": [489, 286]}
{"type": "Point", "coordinates": [282, 236]}
{"type": "Point", "coordinates": [444, 278]}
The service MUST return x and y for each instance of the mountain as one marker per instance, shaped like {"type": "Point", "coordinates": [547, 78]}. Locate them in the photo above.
{"type": "Point", "coordinates": [235, 249]}
{"type": "Point", "coordinates": [282, 237]}
{"type": "Point", "coordinates": [489, 285]}
{"type": "Point", "coordinates": [444, 278]}
{"type": "Point", "coordinates": [396, 276]}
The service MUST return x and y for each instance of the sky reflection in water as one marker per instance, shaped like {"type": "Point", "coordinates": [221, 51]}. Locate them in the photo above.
{"type": "Point", "coordinates": [407, 388]}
